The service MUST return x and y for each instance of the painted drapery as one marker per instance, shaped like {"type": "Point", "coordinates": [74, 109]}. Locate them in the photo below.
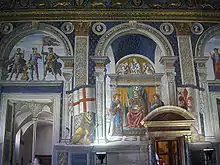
{"type": "Point", "coordinates": [125, 101]}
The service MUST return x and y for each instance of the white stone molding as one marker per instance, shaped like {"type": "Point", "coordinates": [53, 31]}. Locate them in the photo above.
{"type": "Point", "coordinates": [133, 28]}
{"type": "Point", "coordinates": [170, 109]}
{"type": "Point", "coordinates": [168, 80]}
{"type": "Point", "coordinates": [100, 74]}
{"type": "Point", "coordinates": [215, 114]}
{"type": "Point", "coordinates": [81, 61]}
{"type": "Point", "coordinates": [8, 42]}
{"type": "Point", "coordinates": [186, 60]}
{"type": "Point", "coordinates": [204, 38]}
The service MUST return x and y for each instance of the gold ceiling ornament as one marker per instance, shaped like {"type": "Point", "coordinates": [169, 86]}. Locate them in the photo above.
{"type": "Point", "coordinates": [79, 3]}
{"type": "Point", "coordinates": [96, 4]}
{"type": "Point", "coordinates": [118, 3]}
{"type": "Point", "coordinates": [62, 4]}
{"type": "Point", "coordinates": [111, 15]}
{"type": "Point", "coordinates": [137, 3]}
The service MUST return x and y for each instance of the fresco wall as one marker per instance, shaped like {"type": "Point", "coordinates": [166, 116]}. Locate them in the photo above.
{"type": "Point", "coordinates": [142, 58]}
{"type": "Point", "coordinates": [30, 58]}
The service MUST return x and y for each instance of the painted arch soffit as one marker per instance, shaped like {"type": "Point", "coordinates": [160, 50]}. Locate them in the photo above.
{"type": "Point", "coordinates": [8, 42]}
{"type": "Point", "coordinates": [204, 39]}
{"type": "Point", "coordinates": [133, 28]}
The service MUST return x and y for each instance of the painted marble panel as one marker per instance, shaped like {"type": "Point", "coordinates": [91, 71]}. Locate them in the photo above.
{"type": "Point", "coordinates": [36, 57]}
{"type": "Point", "coordinates": [213, 64]}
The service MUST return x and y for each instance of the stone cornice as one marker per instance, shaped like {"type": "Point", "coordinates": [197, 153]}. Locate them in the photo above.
{"type": "Point", "coordinates": [110, 15]}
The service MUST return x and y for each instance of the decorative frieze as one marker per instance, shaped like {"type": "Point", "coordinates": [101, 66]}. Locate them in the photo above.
{"type": "Point", "coordinates": [186, 60]}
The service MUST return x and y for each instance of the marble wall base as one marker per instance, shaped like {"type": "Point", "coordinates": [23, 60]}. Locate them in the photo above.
{"type": "Point", "coordinates": [86, 155]}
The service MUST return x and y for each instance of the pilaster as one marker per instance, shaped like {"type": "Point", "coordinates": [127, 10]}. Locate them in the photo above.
{"type": "Point", "coordinates": [81, 53]}
{"type": "Point", "coordinates": [100, 74]}
{"type": "Point", "coordinates": [34, 138]}
{"type": "Point", "coordinates": [168, 80]}
{"type": "Point", "coordinates": [204, 96]}
{"type": "Point", "coordinates": [68, 83]}
{"type": "Point", "coordinates": [1, 68]}
{"type": "Point", "coordinates": [185, 53]}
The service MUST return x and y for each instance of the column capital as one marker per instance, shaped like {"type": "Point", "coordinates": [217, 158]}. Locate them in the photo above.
{"type": "Point", "coordinates": [168, 59]}
{"type": "Point", "coordinates": [82, 28]}
{"type": "Point", "coordinates": [183, 28]}
{"type": "Point", "coordinates": [168, 62]}
{"type": "Point", "coordinates": [201, 61]}
{"type": "Point", "coordinates": [100, 61]}
{"type": "Point", "coordinates": [68, 61]}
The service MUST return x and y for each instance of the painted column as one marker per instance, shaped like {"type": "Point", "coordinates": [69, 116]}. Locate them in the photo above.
{"type": "Point", "coordinates": [204, 95]}
{"type": "Point", "coordinates": [68, 76]}
{"type": "Point", "coordinates": [100, 74]}
{"type": "Point", "coordinates": [183, 32]}
{"type": "Point", "coordinates": [34, 120]}
{"type": "Point", "coordinates": [81, 53]}
{"type": "Point", "coordinates": [168, 80]}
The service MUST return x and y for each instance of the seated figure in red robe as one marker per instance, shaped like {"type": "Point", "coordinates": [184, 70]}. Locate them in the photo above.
{"type": "Point", "coordinates": [137, 107]}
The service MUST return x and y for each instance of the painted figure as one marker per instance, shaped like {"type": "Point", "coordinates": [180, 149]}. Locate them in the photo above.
{"type": "Point", "coordinates": [51, 63]}
{"type": "Point", "coordinates": [115, 127]}
{"type": "Point", "coordinates": [148, 69]}
{"type": "Point", "coordinates": [33, 64]}
{"type": "Point", "coordinates": [137, 107]}
{"type": "Point", "coordinates": [135, 67]}
{"type": "Point", "coordinates": [17, 63]}
{"type": "Point", "coordinates": [157, 102]}
{"type": "Point", "coordinates": [215, 55]}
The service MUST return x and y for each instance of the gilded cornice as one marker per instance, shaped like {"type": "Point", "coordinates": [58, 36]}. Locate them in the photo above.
{"type": "Point", "coordinates": [110, 15]}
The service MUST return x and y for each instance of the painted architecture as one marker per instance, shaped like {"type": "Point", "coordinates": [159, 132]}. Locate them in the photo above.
{"type": "Point", "coordinates": [129, 82]}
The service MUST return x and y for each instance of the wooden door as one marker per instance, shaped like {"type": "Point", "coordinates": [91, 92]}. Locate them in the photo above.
{"type": "Point", "coordinates": [167, 152]}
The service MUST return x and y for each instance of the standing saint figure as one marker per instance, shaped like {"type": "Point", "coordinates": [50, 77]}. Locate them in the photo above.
{"type": "Point", "coordinates": [17, 63]}
{"type": "Point", "coordinates": [33, 64]}
{"type": "Point", "coordinates": [157, 102]}
{"type": "Point", "coordinates": [51, 63]}
{"type": "Point", "coordinates": [115, 128]}
{"type": "Point", "coordinates": [215, 55]}
{"type": "Point", "coordinates": [137, 107]}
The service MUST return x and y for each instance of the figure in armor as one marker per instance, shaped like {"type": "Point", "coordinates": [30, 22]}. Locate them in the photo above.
{"type": "Point", "coordinates": [33, 64]}
{"type": "Point", "coordinates": [17, 63]}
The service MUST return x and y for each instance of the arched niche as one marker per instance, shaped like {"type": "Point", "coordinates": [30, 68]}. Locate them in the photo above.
{"type": "Point", "coordinates": [41, 36]}
{"type": "Point", "coordinates": [205, 45]}
{"type": "Point", "coordinates": [133, 28]}
{"type": "Point", "coordinates": [8, 42]}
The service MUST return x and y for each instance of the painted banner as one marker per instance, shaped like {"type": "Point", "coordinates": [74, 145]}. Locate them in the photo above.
{"type": "Point", "coordinates": [82, 100]}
